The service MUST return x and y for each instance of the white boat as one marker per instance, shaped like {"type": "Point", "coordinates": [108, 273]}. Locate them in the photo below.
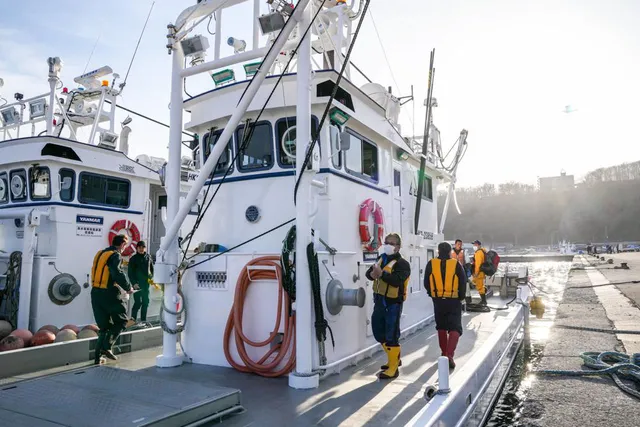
{"type": "Point", "coordinates": [356, 184]}
{"type": "Point", "coordinates": [67, 186]}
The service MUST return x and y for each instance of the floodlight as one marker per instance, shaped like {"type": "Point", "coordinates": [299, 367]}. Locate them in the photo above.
{"type": "Point", "coordinates": [271, 22]}
{"type": "Point", "coordinates": [251, 69]}
{"type": "Point", "coordinates": [10, 116]}
{"type": "Point", "coordinates": [402, 155]}
{"type": "Point", "coordinates": [194, 45]}
{"type": "Point", "coordinates": [37, 108]}
{"type": "Point", "coordinates": [338, 116]}
{"type": "Point", "coordinates": [237, 44]}
{"type": "Point", "coordinates": [223, 77]}
{"type": "Point", "coordinates": [108, 139]}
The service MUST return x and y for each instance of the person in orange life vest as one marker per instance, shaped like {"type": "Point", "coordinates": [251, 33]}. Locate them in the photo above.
{"type": "Point", "coordinates": [390, 275]}
{"type": "Point", "coordinates": [461, 255]}
{"type": "Point", "coordinates": [478, 276]}
{"type": "Point", "coordinates": [446, 283]}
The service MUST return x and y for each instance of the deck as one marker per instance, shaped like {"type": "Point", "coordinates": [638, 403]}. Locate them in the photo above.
{"type": "Point", "coordinates": [355, 397]}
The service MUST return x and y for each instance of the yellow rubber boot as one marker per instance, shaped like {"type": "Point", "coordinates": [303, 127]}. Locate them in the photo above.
{"type": "Point", "coordinates": [386, 350]}
{"type": "Point", "coordinates": [394, 360]}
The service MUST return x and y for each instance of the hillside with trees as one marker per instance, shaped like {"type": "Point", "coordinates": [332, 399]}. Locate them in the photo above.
{"type": "Point", "coordinates": [605, 207]}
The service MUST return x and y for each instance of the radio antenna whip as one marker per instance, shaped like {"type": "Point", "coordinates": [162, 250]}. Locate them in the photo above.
{"type": "Point", "coordinates": [123, 84]}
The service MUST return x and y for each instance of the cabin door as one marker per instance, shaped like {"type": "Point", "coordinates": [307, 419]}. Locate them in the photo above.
{"type": "Point", "coordinates": [397, 202]}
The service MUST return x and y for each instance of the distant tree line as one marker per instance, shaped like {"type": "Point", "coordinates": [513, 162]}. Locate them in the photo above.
{"type": "Point", "coordinates": [605, 207]}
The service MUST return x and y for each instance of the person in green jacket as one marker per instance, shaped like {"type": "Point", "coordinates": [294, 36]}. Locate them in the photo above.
{"type": "Point", "coordinates": [140, 272]}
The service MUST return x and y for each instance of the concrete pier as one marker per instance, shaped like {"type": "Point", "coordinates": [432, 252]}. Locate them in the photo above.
{"type": "Point", "coordinates": [588, 401]}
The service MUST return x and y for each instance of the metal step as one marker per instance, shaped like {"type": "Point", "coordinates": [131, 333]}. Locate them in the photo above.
{"type": "Point", "coordinates": [105, 396]}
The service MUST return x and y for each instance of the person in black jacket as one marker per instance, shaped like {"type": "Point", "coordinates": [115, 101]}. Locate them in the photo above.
{"type": "Point", "coordinates": [390, 275]}
{"type": "Point", "coordinates": [140, 271]}
{"type": "Point", "coordinates": [109, 287]}
{"type": "Point", "coordinates": [446, 284]}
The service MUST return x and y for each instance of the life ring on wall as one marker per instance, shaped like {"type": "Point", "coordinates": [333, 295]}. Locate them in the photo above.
{"type": "Point", "coordinates": [130, 230]}
{"type": "Point", "coordinates": [368, 208]}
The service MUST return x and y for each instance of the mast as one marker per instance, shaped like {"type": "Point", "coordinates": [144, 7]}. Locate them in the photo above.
{"type": "Point", "coordinates": [425, 143]}
{"type": "Point", "coordinates": [303, 377]}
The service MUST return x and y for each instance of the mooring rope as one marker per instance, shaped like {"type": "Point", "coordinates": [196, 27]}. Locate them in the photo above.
{"type": "Point", "coordinates": [618, 365]}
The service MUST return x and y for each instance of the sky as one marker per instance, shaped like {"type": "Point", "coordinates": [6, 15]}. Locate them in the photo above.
{"type": "Point", "coordinates": [505, 70]}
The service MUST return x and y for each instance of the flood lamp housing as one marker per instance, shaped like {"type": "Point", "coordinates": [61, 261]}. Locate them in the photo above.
{"type": "Point", "coordinates": [10, 116]}
{"type": "Point", "coordinates": [338, 116]}
{"type": "Point", "coordinates": [195, 45]}
{"type": "Point", "coordinates": [37, 108]}
{"type": "Point", "coordinates": [223, 77]}
{"type": "Point", "coordinates": [251, 69]}
{"type": "Point", "coordinates": [271, 22]}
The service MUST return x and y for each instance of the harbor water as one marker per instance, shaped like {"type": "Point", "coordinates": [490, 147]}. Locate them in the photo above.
{"type": "Point", "coordinates": [549, 280]}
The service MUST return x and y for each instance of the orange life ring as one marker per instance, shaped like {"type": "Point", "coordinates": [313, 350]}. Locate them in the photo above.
{"type": "Point", "coordinates": [130, 230]}
{"type": "Point", "coordinates": [367, 208]}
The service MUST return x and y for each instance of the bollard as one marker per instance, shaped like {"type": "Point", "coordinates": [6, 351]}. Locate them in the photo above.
{"type": "Point", "coordinates": [443, 375]}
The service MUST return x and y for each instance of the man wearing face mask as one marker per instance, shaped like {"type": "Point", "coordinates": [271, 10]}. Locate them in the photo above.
{"type": "Point", "coordinates": [390, 275]}
{"type": "Point", "coordinates": [478, 275]}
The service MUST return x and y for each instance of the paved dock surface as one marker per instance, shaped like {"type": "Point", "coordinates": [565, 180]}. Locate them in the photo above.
{"type": "Point", "coordinates": [588, 401]}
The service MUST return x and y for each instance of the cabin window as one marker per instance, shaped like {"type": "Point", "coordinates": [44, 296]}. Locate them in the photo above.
{"type": "Point", "coordinates": [209, 142]}
{"type": "Point", "coordinates": [18, 185]}
{"type": "Point", "coordinates": [40, 183]}
{"type": "Point", "coordinates": [427, 189]}
{"type": "Point", "coordinates": [258, 151]}
{"type": "Point", "coordinates": [362, 158]}
{"type": "Point", "coordinates": [104, 190]}
{"type": "Point", "coordinates": [284, 160]}
{"type": "Point", "coordinates": [4, 188]}
{"type": "Point", "coordinates": [67, 185]}
{"type": "Point", "coordinates": [336, 155]}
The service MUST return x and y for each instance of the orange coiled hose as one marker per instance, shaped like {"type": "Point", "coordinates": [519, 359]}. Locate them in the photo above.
{"type": "Point", "coordinates": [234, 324]}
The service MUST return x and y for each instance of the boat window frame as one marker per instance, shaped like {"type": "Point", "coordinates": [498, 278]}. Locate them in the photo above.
{"type": "Point", "coordinates": [26, 185]}
{"type": "Point", "coordinates": [5, 175]}
{"type": "Point", "coordinates": [314, 123]}
{"type": "Point", "coordinates": [205, 154]}
{"type": "Point", "coordinates": [239, 166]}
{"type": "Point", "coordinates": [80, 198]}
{"type": "Point", "coordinates": [428, 179]}
{"type": "Point", "coordinates": [33, 197]}
{"type": "Point", "coordinates": [333, 155]}
{"type": "Point", "coordinates": [363, 140]}
{"type": "Point", "coordinates": [73, 184]}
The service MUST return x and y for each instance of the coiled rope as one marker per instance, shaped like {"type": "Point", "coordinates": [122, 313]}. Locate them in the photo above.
{"type": "Point", "coordinates": [618, 365]}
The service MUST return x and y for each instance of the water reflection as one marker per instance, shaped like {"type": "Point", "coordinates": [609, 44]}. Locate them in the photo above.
{"type": "Point", "coordinates": [549, 279]}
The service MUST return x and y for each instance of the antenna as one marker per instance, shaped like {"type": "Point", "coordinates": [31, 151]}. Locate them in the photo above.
{"type": "Point", "coordinates": [123, 84]}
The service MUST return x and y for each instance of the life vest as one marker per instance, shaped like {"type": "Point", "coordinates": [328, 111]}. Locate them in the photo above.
{"type": "Point", "coordinates": [381, 287]}
{"type": "Point", "coordinates": [100, 270]}
{"type": "Point", "coordinates": [447, 288]}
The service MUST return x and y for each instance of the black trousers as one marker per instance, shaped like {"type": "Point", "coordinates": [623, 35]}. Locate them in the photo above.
{"type": "Point", "coordinates": [448, 314]}
{"type": "Point", "coordinates": [111, 317]}
{"type": "Point", "coordinates": [141, 302]}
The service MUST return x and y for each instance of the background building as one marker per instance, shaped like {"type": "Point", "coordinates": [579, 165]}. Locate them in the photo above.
{"type": "Point", "coordinates": [556, 183]}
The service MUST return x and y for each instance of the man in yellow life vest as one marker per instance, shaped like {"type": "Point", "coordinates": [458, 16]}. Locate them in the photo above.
{"type": "Point", "coordinates": [390, 275]}
{"type": "Point", "coordinates": [109, 310]}
{"type": "Point", "coordinates": [478, 276]}
{"type": "Point", "coordinates": [446, 283]}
